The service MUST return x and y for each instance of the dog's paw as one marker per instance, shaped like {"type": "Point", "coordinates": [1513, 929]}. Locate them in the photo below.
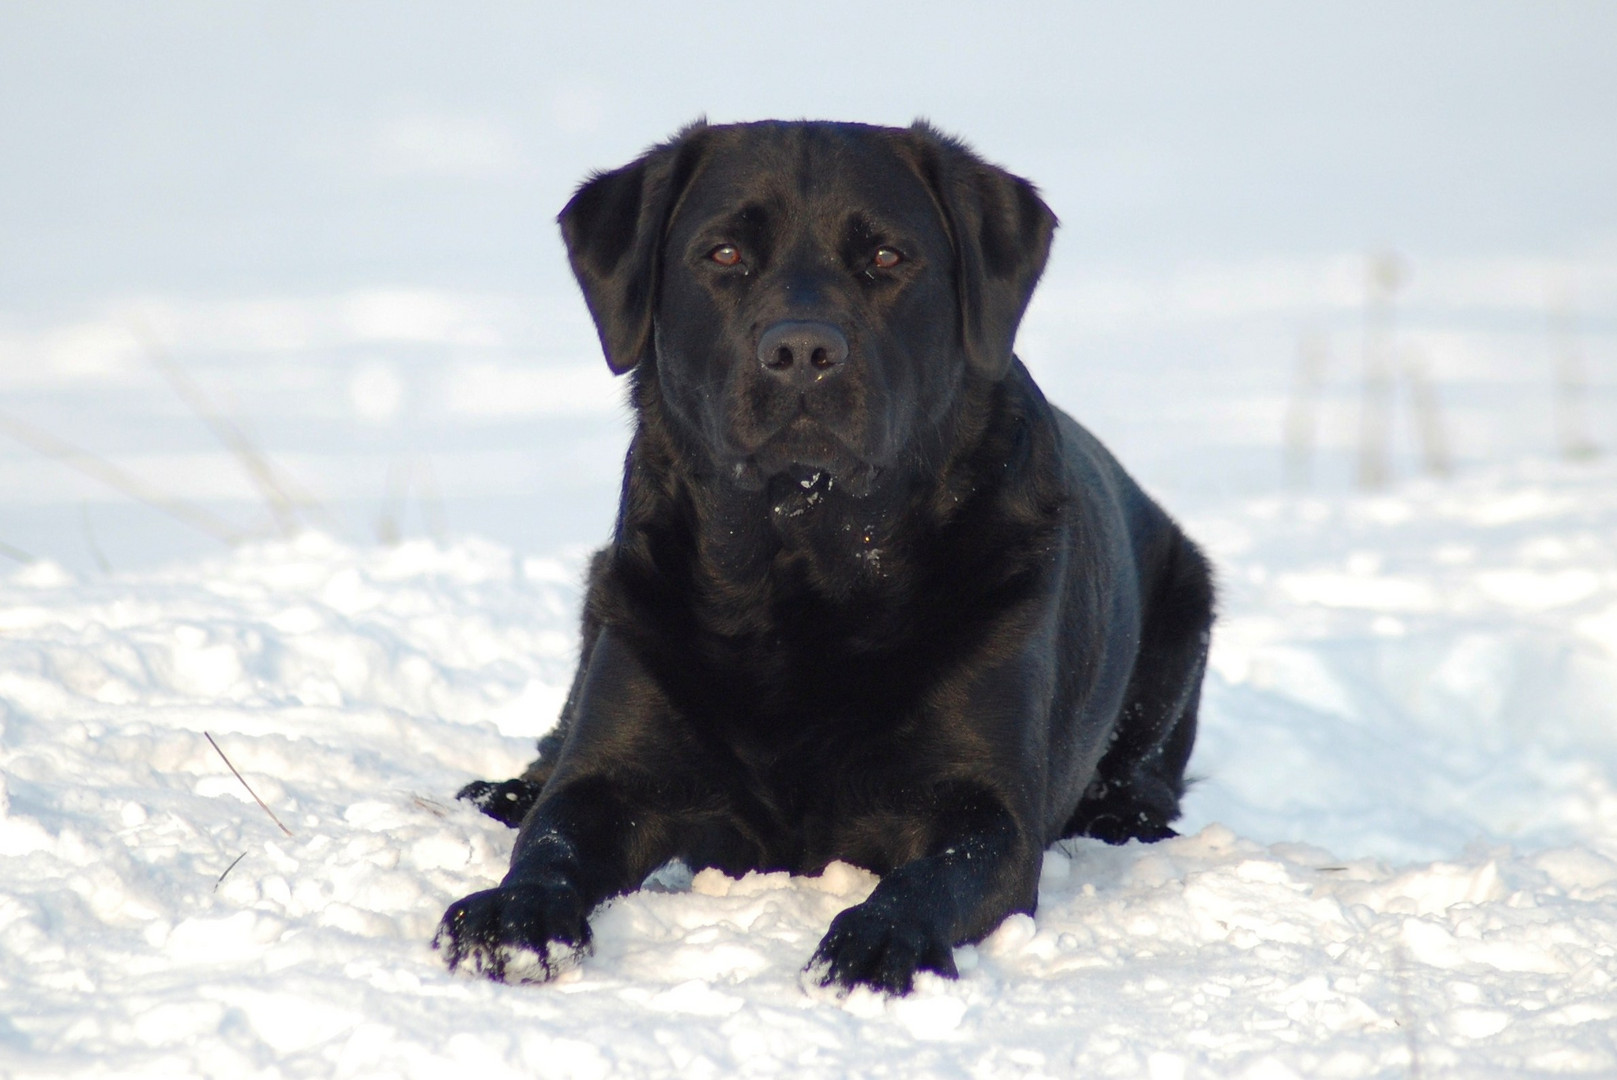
{"type": "Point", "coordinates": [516, 934]}
{"type": "Point", "coordinates": [506, 801]}
{"type": "Point", "coordinates": [1117, 829]}
{"type": "Point", "coordinates": [879, 949]}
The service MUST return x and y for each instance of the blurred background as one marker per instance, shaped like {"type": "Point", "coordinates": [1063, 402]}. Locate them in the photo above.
{"type": "Point", "coordinates": [269, 265]}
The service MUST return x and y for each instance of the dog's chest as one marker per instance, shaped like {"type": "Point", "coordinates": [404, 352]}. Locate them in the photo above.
{"type": "Point", "coordinates": [848, 637]}
{"type": "Point", "coordinates": [826, 791]}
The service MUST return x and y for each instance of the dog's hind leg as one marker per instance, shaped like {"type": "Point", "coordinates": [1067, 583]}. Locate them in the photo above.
{"type": "Point", "coordinates": [508, 801]}
{"type": "Point", "coordinates": [1137, 786]}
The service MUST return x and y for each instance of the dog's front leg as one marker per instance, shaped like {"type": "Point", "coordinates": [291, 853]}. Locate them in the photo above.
{"type": "Point", "coordinates": [599, 827]}
{"type": "Point", "coordinates": [980, 869]}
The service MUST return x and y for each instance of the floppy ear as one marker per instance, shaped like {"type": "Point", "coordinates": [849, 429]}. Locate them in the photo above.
{"type": "Point", "coordinates": [613, 227]}
{"type": "Point", "coordinates": [1001, 231]}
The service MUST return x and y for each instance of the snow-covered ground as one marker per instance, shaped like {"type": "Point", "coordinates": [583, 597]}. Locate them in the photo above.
{"type": "Point", "coordinates": [1402, 858]}
{"type": "Point", "coordinates": [325, 234]}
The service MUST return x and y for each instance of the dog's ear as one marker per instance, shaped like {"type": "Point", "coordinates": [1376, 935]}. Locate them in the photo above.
{"type": "Point", "coordinates": [613, 227]}
{"type": "Point", "coordinates": [1001, 231]}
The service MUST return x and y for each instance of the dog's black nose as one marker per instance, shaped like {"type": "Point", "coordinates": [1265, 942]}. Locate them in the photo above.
{"type": "Point", "coordinates": [802, 352]}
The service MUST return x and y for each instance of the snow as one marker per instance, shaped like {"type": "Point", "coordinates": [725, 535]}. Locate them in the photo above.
{"type": "Point", "coordinates": [1403, 853]}
{"type": "Point", "coordinates": [1400, 858]}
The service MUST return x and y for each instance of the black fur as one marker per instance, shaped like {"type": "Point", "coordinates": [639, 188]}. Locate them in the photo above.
{"type": "Point", "coordinates": [894, 609]}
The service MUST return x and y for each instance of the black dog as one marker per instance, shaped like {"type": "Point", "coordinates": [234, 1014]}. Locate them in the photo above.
{"type": "Point", "coordinates": [870, 597]}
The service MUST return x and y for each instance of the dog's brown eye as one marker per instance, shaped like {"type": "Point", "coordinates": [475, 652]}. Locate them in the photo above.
{"type": "Point", "coordinates": [725, 254]}
{"type": "Point", "coordinates": [886, 259]}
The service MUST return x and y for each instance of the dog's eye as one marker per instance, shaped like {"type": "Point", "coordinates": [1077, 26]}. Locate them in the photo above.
{"type": "Point", "coordinates": [886, 258]}
{"type": "Point", "coordinates": [725, 254]}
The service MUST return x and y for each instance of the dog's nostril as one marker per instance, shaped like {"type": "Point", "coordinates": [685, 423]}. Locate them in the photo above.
{"type": "Point", "coordinates": [783, 357]}
{"type": "Point", "coordinates": [820, 359]}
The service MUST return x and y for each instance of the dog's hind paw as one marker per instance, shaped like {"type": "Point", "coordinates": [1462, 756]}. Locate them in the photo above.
{"type": "Point", "coordinates": [506, 801]}
{"type": "Point", "coordinates": [1115, 829]}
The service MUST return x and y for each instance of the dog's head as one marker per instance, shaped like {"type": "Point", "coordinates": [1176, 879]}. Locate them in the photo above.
{"type": "Point", "coordinates": [808, 297]}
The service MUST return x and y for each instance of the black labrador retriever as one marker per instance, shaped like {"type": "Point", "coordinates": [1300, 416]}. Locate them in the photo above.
{"type": "Point", "coordinates": [869, 596]}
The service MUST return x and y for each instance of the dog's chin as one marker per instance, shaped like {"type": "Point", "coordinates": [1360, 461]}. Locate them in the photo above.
{"type": "Point", "coordinates": [808, 459]}
{"type": "Point", "coordinates": [856, 480]}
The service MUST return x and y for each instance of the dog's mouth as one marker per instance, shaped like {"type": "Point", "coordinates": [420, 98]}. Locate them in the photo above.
{"type": "Point", "coordinates": [805, 459]}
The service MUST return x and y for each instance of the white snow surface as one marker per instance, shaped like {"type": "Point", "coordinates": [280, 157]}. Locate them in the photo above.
{"type": "Point", "coordinates": [1401, 859]}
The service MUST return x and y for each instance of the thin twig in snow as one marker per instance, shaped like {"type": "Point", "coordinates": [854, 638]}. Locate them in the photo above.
{"type": "Point", "coordinates": [431, 806]}
{"type": "Point", "coordinates": [244, 784]}
{"type": "Point", "coordinates": [233, 862]}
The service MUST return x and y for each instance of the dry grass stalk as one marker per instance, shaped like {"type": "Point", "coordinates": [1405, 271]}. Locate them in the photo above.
{"type": "Point", "coordinates": [280, 494]}
{"type": "Point", "coordinates": [231, 867]}
{"type": "Point", "coordinates": [244, 784]}
{"type": "Point", "coordinates": [105, 471]}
